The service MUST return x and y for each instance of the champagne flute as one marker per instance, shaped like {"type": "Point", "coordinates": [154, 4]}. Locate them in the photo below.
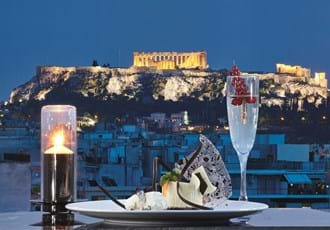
{"type": "Point", "coordinates": [242, 109]}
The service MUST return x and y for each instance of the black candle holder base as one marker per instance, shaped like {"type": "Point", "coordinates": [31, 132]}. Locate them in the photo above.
{"type": "Point", "coordinates": [55, 219]}
{"type": "Point", "coordinates": [58, 219]}
{"type": "Point", "coordinates": [55, 207]}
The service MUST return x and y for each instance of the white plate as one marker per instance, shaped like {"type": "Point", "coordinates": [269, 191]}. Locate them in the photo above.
{"type": "Point", "coordinates": [112, 213]}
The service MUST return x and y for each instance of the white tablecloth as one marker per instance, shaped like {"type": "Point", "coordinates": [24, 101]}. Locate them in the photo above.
{"type": "Point", "coordinates": [273, 217]}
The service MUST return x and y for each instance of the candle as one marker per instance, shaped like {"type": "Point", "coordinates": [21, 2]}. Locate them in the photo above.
{"type": "Point", "coordinates": [58, 148]}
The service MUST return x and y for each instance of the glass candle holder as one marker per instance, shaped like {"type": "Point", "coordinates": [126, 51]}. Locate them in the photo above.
{"type": "Point", "coordinates": [58, 157]}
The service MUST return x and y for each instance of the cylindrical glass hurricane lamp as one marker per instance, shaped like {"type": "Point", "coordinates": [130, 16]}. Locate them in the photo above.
{"type": "Point", "coordinates": [58, 157]}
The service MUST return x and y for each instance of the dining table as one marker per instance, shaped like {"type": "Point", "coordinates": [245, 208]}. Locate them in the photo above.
{"type": "Point", "coordinates": [272, 218]}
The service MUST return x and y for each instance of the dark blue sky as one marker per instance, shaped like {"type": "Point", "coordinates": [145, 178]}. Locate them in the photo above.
{"type": "Point", "coordinates": [256, 33]}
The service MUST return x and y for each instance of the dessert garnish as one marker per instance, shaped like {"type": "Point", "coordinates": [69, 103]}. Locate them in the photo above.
{"type": "Point", "coordinates": [241, 97]}
{"type": "Point", "coordinates": [210, 158]}
{"type": "Point", "coordinates": [170, 176]}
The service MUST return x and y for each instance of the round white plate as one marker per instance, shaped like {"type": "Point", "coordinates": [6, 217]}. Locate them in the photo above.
{"type": "Point", "coordinates": [112, 213]}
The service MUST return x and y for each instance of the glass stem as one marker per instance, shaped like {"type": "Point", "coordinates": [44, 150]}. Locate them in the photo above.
{"type": "Point", "coordinates": [243, 161]}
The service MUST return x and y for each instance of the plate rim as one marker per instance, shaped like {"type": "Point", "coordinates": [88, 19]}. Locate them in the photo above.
{"type": "Point", "coordinates": [261, 207]}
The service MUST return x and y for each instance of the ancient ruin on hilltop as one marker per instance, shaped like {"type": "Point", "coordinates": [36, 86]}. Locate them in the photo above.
{"type": "Point", "coordinates": [171, 60]}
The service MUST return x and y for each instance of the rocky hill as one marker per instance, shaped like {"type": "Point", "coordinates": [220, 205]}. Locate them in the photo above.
{"type": "Point", "coordinates": [129, 84]}
{"type": "Point", "coordinates": [289, 104]}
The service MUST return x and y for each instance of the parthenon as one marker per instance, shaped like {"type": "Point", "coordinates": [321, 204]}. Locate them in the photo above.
{"type": "Point", "coordinates": [171, 60]}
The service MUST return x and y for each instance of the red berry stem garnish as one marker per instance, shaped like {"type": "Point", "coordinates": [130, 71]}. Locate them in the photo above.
{"type": "Point", "coordinates": [241, 91]}
{"type": "Point", "coordinates": [241, 96]}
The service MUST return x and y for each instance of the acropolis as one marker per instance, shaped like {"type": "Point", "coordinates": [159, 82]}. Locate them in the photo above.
{"type": "Point", "coordinates": [296, 70]}
{"type": "Point", "coordinates": [171, 60]}
{"type": "Point", "coordinates": [319, 78]}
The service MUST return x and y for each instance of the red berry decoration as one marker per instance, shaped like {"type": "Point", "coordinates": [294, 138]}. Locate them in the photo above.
{"type": "Point", "coordinates": [251, 100]}
{"type": "Point", "coordinates": [237, 101]}
{"type": "Point", "coordinates": [240, 89]}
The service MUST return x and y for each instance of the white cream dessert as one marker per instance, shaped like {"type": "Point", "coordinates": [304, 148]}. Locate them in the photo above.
{"type": "Point", "coordinates": [193, 191]}
{"type": "Point", "coordinates": [203, 168]}
{"type": "Point", "coordinates": [146, 201]}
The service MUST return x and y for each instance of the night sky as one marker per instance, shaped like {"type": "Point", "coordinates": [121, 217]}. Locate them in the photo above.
{"type": "Point", "coordinates": [255, 33]}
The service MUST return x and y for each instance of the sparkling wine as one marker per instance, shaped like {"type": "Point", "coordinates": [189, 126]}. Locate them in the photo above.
{"type": "Point", "coordinates": [243, 121]}
{"type": "Point", "coordinates": [242, 108]}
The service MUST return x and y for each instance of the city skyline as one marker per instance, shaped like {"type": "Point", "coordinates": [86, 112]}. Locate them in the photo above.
{"type": "Point", "coordinates": [168, 106]}
{"type": "Point", "coordinates": [259, 34]}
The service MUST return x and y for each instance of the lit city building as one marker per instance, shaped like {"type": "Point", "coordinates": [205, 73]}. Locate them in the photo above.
{"type": "Point", "coordinates": [171, 60]}
{"type": "Point", "coordinates": [296, 70]}
{"type": "Point", "coordinates": [319, 79]}
{"type": "Point", "coordinates": [120, 159]}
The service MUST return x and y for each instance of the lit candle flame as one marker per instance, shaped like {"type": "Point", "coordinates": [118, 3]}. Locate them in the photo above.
{"type": "Point", "coordinates": [58, 139]}
{"type": "Point", "coordinates": [58, 145]}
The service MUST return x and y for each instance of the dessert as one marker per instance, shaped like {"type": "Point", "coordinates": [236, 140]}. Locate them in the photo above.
{"type": "Point", "coordinates": [193, 191]}
{"type": "Point", "coordinates": [199, 181]}
{"type": "Point", "coordinates": [146, 201]}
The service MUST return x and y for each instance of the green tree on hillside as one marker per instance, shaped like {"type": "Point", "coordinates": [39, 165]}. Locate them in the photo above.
{"type": "Point", "coordinates": [95, 63]}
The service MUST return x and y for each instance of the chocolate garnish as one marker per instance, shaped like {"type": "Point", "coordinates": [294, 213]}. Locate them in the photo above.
{"type": "Point", "coordinates": [215, 170]}
{"type": "Point", "coordinates": [187, 165]}
{"type": "Point", "coordinates": [203, 185]}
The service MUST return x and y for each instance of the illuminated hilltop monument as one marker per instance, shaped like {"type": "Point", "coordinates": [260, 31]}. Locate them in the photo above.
{"type": "Point", "coordinates": [171, 60]}
{"type": "Point", "coordinates": [319, 78]}
{"type": "Point", "coordinates": [296, 70]}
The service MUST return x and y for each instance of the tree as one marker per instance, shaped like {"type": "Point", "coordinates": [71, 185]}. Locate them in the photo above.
{"type": "Point", "coordinates": [95, 63]}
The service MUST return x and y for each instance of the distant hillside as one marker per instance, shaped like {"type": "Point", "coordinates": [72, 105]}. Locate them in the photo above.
{"type": "Point", "coordinates": [289, 104]}
{"type": "Point", "coordinates": [129, 84]}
